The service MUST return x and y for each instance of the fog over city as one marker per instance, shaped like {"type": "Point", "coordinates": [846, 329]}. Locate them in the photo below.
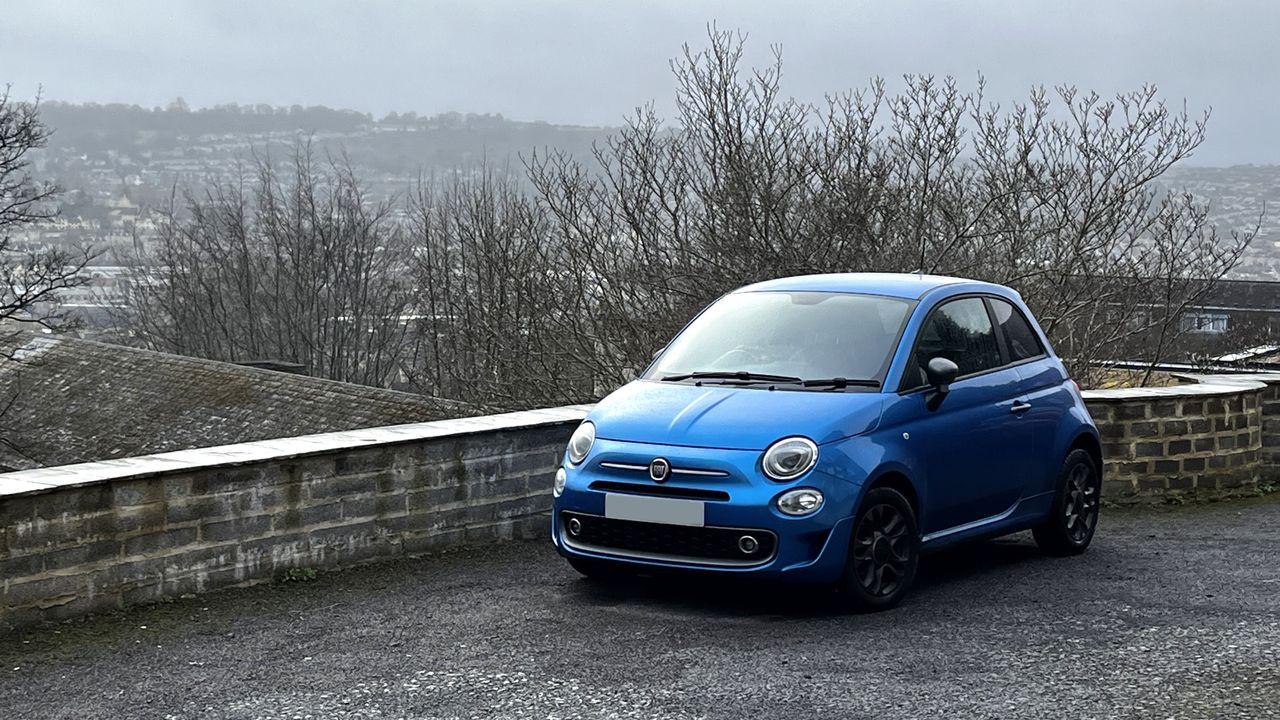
{"type": "Point", "coordinates": [590, 63]}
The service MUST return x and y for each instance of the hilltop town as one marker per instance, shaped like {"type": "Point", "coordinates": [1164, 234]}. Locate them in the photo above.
{"type": "Point", "coordinates": [119, 166]}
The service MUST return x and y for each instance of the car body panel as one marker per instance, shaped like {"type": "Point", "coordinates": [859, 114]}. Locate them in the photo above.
{"type": "Point", "coordinates": [719, 416]}
{"type": "Point", "coordinates": [961, 447]}
{"type": "Point", "coordinates": [1057, 416]}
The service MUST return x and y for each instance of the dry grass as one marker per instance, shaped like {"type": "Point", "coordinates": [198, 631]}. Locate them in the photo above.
{"type": "Point", "coordinates": [1117, 378]}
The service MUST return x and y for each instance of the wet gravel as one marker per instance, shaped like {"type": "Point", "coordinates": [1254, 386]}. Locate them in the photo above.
{"type": "Point", "coordinates": [1169, 615]}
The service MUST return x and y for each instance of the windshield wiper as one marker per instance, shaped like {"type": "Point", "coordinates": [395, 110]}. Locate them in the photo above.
{"type": "Point", "coordinates": [742, 375]}
{"type": "Point", "coordinates": [837, 383]}
{"type": "Point", "coordinates": [840, 383]}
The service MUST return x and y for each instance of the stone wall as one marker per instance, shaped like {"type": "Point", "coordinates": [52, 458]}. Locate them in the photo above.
{"type": "Point", "coordinates": [100, 536]}
{"type": "Point", "coordinates": [1162, 443]}
{"type": "Point", "coordinates": [1270, 451]}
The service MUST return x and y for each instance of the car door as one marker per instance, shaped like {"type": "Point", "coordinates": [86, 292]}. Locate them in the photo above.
{"type": "Point", "coordinates": [971, 446]}
{"type": "Point", "coordinates": [1045, 387]}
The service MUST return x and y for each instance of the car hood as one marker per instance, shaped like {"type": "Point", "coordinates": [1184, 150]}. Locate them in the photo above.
{"type": "Point", "coordinates": [730, 418]}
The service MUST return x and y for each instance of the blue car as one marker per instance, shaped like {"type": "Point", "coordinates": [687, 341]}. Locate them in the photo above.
{"type": "Point", "coordinates": [829, 429]}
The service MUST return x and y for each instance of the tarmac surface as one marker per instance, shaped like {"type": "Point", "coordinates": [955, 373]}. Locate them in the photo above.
{"type": "Point", "coordinates": [1171, 614]}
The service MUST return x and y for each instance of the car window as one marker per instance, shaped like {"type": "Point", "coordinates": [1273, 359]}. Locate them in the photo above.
{"type": "Point", "coordinates": [1021, 339]}
{"type": "Point", "coordinates": [961, 332]}
{"type": "Point", "coordinates": [809, 335]}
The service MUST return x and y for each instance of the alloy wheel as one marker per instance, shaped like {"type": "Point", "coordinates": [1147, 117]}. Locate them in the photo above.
{"type": "Point", "coordinates": [881, 550]}
{"type": "Point", "coordinates": [1080, 507]}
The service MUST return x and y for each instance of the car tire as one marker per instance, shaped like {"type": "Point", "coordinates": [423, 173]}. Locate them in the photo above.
{"type": "Point", "coordinates": [1074, 517]}
{"type": "Point", "coordinates": [596, 569]}
{"type": "Point", "coordinates": [884, 551]}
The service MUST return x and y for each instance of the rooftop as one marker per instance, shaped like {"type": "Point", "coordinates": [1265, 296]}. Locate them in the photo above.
{"type": "Point", "coordinates": [1257, 295]}
{"type": "Point", "coordinates": [67, 400]}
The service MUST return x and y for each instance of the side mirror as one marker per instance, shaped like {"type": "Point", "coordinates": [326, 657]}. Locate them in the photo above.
{"type": "Point", "coordinates": [941, 372]}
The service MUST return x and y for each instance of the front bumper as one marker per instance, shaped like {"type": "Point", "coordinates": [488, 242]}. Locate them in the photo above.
{"type": "Point", "coordinates": [739, 504]}
{"type": "Point", "coordinates": [713, 547]}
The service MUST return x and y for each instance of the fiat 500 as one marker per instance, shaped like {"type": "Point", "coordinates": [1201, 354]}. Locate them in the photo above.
{"type": "Point", "coordinates": [829, 429]}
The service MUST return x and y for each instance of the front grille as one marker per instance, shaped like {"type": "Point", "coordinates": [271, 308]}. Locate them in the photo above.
{"type": "Point", "coordinates": [677, 543]}
{"type": "Point", "coordinates": [659, 490]}
{"type": "Point", "coordinates": [633, 467]}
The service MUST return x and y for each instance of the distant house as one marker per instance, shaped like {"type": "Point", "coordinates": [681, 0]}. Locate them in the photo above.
{"type": "Point", "coordinates": [1234, 316]}
{"type": "Point", "coordinates": [66, 400]}
{"type": "Point", "coordinates": [1235, 326]}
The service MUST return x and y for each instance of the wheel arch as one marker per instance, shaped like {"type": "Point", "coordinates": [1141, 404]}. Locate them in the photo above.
{"type": "Point", "coordinates": [896, 480]}
{"type": "Point", "coordinates": [1088, 442]}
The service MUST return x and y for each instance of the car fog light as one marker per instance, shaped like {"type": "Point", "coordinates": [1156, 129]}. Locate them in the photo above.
{"type": "Point", "coordinates": [748, 544]}
{"type": "Point", "coordinates": [575, 527]}
{"type": "Point", "coordinates": [800, 501]}
{"type": "Point", "coordinates": [558, 487]}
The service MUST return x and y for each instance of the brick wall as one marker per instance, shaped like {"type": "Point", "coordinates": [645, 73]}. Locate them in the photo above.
{"type": "Point", "coordinates": [1160, 443]}
{"type": "Point", "coordinates": [1270, 450]}
{"type": "Point", "coordinates": [101, 536]}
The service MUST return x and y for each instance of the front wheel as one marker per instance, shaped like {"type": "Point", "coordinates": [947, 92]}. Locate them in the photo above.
{"type": "Point", "coordinates": [883, 552]}
{"type": "Point", "coordinates": [1069, 528]}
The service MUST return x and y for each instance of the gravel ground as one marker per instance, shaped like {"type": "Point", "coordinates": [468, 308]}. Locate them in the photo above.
{"type": "Point", "coordinates": [1171, 614]}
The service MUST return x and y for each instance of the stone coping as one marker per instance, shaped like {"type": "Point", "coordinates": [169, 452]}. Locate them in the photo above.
{"type": "Point", "coordinates": [1196, 386]}
{"type": "Point", "coordinates": [1266, 378]}
{"type": "Point", "coordinates": [45, 479]}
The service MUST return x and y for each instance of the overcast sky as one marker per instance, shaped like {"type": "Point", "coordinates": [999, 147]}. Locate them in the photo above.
{"type": "Point", "coordinates": [593, 61]}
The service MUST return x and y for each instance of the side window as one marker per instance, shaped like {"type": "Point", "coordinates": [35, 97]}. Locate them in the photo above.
{"type": "Point", "coordinates": [961, 332]}
{"type": "Point", "coordinates": [1022, 340]}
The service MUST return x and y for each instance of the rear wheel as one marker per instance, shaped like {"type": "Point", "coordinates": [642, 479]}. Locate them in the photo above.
{"type": "Point", "coordinates": [1070, 525]}
{"type": "Point", "coordinates": [883, 552]}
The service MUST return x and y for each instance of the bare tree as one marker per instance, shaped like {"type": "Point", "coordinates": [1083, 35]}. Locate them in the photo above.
{"type": "Point", "coordinates": [562, 292]}
{"type": "Point", "coordinates": [488, 295]}
{"type": "Point", "coordinates": [31, 276]}
{"type": "Point", "coordinates": [1057, 197]}
{"type": "Point", "coordinates": [295, 264]}
{"type": "Point", "coordinates": [1108, 259]}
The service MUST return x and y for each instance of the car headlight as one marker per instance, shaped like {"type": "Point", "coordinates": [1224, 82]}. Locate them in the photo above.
{"type": "Point", "coordinates": [581, 441]}
{"type": "Point", "coordinates": [800, 501]}
{"type": "Point", "coordinates": [558, 486]}
{"type": "Point", "coordinates": [789, 458]}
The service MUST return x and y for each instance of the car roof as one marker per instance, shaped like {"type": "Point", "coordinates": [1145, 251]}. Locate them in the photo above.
{"type": "Point", "coordinates": [911, 286]}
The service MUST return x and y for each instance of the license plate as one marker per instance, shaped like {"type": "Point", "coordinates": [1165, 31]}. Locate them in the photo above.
{"type": "Point", "coordinates": [667, 511]}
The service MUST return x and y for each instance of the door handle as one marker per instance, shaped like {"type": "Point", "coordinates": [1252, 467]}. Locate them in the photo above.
{"type": "Point", "coordinates": [1019, 406]}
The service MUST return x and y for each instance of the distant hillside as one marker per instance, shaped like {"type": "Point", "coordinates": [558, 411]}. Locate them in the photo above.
{"type": "Point", "coordinates": [1238, 195]}
{"type": "Point", "coordinates": [102, 153]}
{"type": "Point", "coordinates": [104, 126]}
{"type": "Point", "coordinates": [398, 144]}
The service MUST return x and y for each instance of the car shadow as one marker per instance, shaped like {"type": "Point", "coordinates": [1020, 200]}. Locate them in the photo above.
{"type": "Point", "coordinates": [713, 595]}
{"type": "Point", "coordinates": [965, 561]}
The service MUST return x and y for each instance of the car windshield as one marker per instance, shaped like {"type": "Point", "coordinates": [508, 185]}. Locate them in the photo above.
{"type": "Point", "coordinates": [804, 335]}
